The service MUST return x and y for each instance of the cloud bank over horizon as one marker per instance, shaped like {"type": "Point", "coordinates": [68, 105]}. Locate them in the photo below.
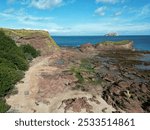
{"type": "Point", "coordinates": [77, 17]}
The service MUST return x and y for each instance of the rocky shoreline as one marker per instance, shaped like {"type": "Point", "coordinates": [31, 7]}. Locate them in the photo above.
{"type": "Point", "coordinates": [124, 84]}
{"type": "Point", "coordinates": [80, 79]}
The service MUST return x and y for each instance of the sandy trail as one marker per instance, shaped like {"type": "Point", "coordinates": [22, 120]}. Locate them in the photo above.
{"type": "Point", "coordinates": [31, 98]}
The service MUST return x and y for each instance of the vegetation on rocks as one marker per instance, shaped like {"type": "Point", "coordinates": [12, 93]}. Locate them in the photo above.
{"type": "Point", "coordinates": [22, 32]}
{"type": "Point", "coordinates": [86, 74]}
{"type": "Point", "coordinates": [8, 78]}
{"type": "Point", "coordinates": [13, 62]}
{"type": "Point", "coordinates": [116, 42]}
{"type": "Point", "coordinates": [29, 51]}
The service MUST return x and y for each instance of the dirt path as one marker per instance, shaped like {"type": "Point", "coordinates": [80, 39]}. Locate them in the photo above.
{"type": "Point", "coordinates": [38, 94]}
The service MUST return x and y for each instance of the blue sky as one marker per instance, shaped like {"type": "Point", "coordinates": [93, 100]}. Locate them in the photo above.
{"type": "Point", "coordinates": [78, 17]}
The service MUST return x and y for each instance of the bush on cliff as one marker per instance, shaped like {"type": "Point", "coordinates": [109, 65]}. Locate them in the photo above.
{"type": "Point", "coordinates": [3, 106]}
{"type": "Point", "coordinates": [13, 62]}
{"type": "Point", "coordinates": [29, 51]}
{"type": "Point", "coordinates": [7, 63]}
{"type": "Point", "coordinates": [10, 52]}
{"type": "Point", "coordinates": [17, 60]}
{"type": "Point", "coordinates": [8, 78]}
{"type": "Point", "coordinates": [8, 45]}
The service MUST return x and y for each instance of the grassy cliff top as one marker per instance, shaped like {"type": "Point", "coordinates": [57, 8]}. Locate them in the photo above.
{"type": "Point", "coordinates": [23, 32]}
{"type": "Point", "coordinates": [39, 39]}
{"type": "Point", "coordinates": [116, 42]}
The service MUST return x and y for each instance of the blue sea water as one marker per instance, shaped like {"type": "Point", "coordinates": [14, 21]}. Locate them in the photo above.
{"type": "Point", "coordinates": [140, 42]}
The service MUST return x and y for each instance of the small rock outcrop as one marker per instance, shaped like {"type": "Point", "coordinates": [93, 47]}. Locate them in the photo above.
{"type": "Point", "coordinates": [121, 45]}
{"type": "Point", "coordinates": [108, 45]}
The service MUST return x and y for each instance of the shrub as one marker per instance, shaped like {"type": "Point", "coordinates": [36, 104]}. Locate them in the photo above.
{"type": "Point", "coordinates": [3, 106]}
{"type": "Point", "coordinates": [29, 51]}
{"type": "Point", "coordinates": [7, 63]}
{"type": "Point", "coordinates": [17, 60]}
{"type": "Point", "coordinates": [11, 53]}
{"type": "Point", "coordinates": [8, 78]}
{"type": "Point", "coordinates": [13, 61]}
{"type": "Point", "coordinates": [8, 45]}
{"type": "Point", "coordinates": [28, 56]}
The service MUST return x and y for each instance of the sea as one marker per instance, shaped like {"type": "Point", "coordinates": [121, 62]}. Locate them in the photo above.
{"type": "Point", "coordinates": [141, 43]}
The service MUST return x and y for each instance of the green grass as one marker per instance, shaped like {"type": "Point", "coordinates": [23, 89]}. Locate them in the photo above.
{"type": "Point", "coordinates": [79, 77]}
{"type": "Point", "coordinates": [77, 72]}
{"type": "Point", "coordinates": [86, 75]}
{"type": "Point", "coordinates": [23, 32]}
{"type": "Point", "coordinates": [29, 51]}
{"type": "Point", "coordinates": [3, 106]}
{"type": "Point", "coordinates": [85, 66]}
{"type": "Point", "coordinates": [116, 42]}
{"type": "Point", "coordinates": [53, 42]}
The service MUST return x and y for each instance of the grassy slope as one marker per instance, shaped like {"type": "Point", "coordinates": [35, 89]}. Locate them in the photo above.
{"type": "Point", "coordinates": [23, 32]}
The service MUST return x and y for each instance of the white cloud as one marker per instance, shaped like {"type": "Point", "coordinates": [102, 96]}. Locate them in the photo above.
{"type": "Point", "coordinates": [102, 28]}
{"type": "Point", "coordinates": [41, 4]}
{"type": "Point", "coordinates": [9, 11]}
{"type": "Point", "coordinates": [106, 1]}
{"type": "Point", "coordinates": [100, 11]}
{"type": "Point", "coordinates": [23, 17]}
{"type": "Point", "coordinates": [145, 10]}
{"type": "Point", "coordinates": [110, 1]}
{"type": "Point", "coordinates": [125, 27]}
{"type": "Point", "coordinates": [45, 4]}
{"type": "Point", "coordinates": [11, 1]}
{"type": "Point", "coordinates": [118, 13]}
{"type": "Point", "coordinates": [141, 12]}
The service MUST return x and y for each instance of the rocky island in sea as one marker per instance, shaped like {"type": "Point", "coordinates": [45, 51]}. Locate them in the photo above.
{"type": "Point", "coordinates": [111, 34]}
{"type": "Point", "coordinates": [106, 77]}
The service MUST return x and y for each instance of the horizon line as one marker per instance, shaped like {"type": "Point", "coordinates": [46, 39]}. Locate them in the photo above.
{"type": "Point", "coordinates": [99, 35]}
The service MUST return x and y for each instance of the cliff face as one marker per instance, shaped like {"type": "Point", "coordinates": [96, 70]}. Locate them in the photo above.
{"type": "Point", "coordinates": [39, 39]}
